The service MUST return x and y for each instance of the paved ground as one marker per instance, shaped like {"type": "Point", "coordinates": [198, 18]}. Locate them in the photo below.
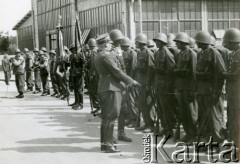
{"type": "Point", "coordinates": [44, 130]}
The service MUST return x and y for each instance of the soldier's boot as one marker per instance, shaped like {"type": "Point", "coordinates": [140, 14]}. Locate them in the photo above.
{"type": "Point", "coordinates": [122, 136]}
{"type": "Point", "coordinates": [75, 99]}
{"type": "Point", "coordinates": [76, 103]}
{"type": "Point", "coordinates": [109, 147]}
{"type": "Point", "coordinates": [102, 140]}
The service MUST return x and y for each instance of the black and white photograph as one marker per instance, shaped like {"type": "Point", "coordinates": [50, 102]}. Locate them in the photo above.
{"type": "Point", "coordinates": [119, 81]}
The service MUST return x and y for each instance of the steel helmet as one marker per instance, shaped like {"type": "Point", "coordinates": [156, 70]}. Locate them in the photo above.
{"type": "Point", "coordinates": [43, 49]}
{"type": "Point", "coordinates": [18, 51]}
{"type": "Point", "coordinates": [92, 42]}
{"type": "Point", "coordinates": [171, 36]}
{"type": "Point", "coordinates": [182, 37]}
{"type": "Point", "coordinates": [41, 52]}
{"type": "Point", "coordinates": [213, 41]}
{"type": "Point", "coordinates": [126, 42]}
{"type": "Point", "coordinates": [26, 50]}
{"type": "Point", "coordinates": [53, 52]}
{"type": "Point", "coordinates": [116, 34]}
{"type": "Point", "coordinates": [192, 43]}
{"type": "Point", "coordinates": [151, 43]}
{"type": "Point", "coordinates": [203, 37]}
{"type": "Point", "coordinates": [141, 38]}
{"type": "Point", "coordinates": [35, 50]}
{"type": "Point", "coordinates": [161, 37]}
{"type": "Point", "coordinates": [232, 35]}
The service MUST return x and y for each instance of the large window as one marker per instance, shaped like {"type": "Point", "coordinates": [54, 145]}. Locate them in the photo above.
{"type": "Point", "coordinates": [169, 16]}
{"type": "Point", "coordinates": [102, 19]}
{"type": "Point", "coordinates": [223, 14]}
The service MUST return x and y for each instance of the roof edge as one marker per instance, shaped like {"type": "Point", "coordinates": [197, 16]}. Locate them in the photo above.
{"type": "Point", "coordinates": [28, 15]}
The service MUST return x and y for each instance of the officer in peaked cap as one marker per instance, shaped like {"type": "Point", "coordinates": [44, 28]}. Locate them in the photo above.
{"type": "Point", "coordinates": [109, 90]}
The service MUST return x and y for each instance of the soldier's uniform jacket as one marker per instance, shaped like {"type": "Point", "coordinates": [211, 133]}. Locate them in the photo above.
{"type": "Point", "coordinates": [185, 70]}
{"type": "Point", "coordinates": [224, 52]}
{"type": "Point", "coordinates": [43, 65]}
{"type": "Point", "coordinates": [29, 62]}
{"type": "Point", "coordinates": [76, 64]}
{"type": "Point", "coordinates": [36, 61]}
{"type": "Point", "coordinates": [119, 54]}
{"type": "Point", "coordinates": [18, 65]}
{"type": "Point", "coordinates": [110, 73]}
{"type": "Point", "coordinates": [210, 67]}
{"type": "Point", "coordinates": [130, 61]}
{"type": "Point", "coordinates": [164, 65]}
{"type": "Point", "coordinates": [145, 66]}
{"type": "Point", "coordinates": [53, 65]}
{"type": "Point", "coordinates": [233, 67]}
{"type": "Point", "coordinates": [175, 51]}
{"type": "Point", "coordinates": [92, 69]}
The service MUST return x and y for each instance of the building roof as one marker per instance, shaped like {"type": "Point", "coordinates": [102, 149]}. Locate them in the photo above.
{"type": "Point", "coordinates": [28, 15]}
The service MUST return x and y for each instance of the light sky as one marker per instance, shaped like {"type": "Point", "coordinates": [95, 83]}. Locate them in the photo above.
{"type": "Point", "coordinates": [12, 11]}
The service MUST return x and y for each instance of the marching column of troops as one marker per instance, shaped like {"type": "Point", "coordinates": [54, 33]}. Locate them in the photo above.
{"type": "Point", "coordinates": [170, 80]}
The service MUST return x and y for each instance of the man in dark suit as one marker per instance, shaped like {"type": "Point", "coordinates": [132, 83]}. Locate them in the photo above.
{"type": "Point", "coordinates": [110, 90]}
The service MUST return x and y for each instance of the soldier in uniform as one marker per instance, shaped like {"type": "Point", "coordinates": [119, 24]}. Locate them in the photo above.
{"type": "Point", "coordinates": [18, 63]}
{"type": "Point", "coordinates": [145, 68]}
{"type": "Point", "coordinates": [29, 72]}
{"type": "Point", "coordinates": [77, 67]}
{"type": "Point", "coordinates": [171, 45]}
{"type": "Point", "coordinates": [130, 61]}
{"type": "Point", "coordinates": [110, 90]}
{"type": "Point", "coordinates": [152, 46]}
{"type": "Point", "coordinates": [92, 74]}
{"type": "Point", "coordinates": [6, 65]}
{"type": "Point", "coordinates": [164, 64]}
{"type": "Point", "coordinates": [185, 85]}
{"type": "Point", "coordinates": [192, 44]}
{"type": "Point", "coordinates": [44, 73]}
{"type": "Point", "coordinates": [116, 36]}
{"type": "Point", "coordinates": [232, 41]}
{"type": "Point", "coordinates": [210, 67]}
{"type": "Point", "coordinates": [45, 52]}
{"type": "Point", "coordinates": [53, 74]}
{"type": "Point", "coordinates": [36, 70]}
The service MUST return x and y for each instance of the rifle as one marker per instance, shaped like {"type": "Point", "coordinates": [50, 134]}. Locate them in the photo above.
{"type": "Point", "coordinates": [62, 53]}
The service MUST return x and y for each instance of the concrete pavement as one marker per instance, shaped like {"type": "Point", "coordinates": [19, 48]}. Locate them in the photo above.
{"type": "Point", "coordinates": [45, 130]}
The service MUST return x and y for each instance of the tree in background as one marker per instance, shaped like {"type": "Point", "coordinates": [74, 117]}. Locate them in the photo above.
{"type": "Point", "coordinates": [7, 43]}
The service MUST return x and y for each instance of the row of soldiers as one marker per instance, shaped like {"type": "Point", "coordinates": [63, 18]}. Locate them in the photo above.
{"type": "Point", "coordinates": [184, 83]}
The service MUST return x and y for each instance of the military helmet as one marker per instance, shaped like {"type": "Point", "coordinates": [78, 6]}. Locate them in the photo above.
{"type": "Point", "coordinates": [151, 43]}
{"type": "Point", "coordinates": [182, 37]}
{"type": "Point", "coordinates": [116, 34]}
{"type": "Point", "coordinates": [53, 52]}
{"type": "Point", "coordinates": [17, 51]}
{"type": "Point", "coordinates": [141, 38]}
{"type": "Point", "coordinates": [203, 37]}
{"type": "Point", "coordinates": [92, 42]}
{"type": "Point", "coordinates": [35, 50]}
{"type": "Point", "coordinates": [232, 35]}
{"type": "Point", "coordinates": [170, 38]}
{"type": "Point", "coordinates": [86, 47]}
{"type": "Point", "coordinates": [126, 42]}
{"type": "Point", "coordinates": [213, 41]}
{"type": "Point", "coordinates": [41, 52]}
{"type": "Point", "coordinates": [43, 49]}
{"type": "Point", "coordinates": [26, 50]}
{"type": "Point", "coordinates": [192, 43]}
{"type": "Point", "coordinates": [71, 46]}
{"type": "Point", "coordinates": [161, 37]}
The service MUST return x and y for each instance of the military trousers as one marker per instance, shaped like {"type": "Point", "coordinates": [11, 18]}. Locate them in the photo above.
{"type": "Point", "coordinates": [64, 84]}
{"type": "Point", "coordinates": [210, 118]}
{"type": "Point", "coordinates": [78, 89]}
{"type": "Point", "coordinates": [45, 83]}
{"type": "Point", "coordinates": [93, 93]}
{"type": "Point", "coordinates": [54, 82]}
{"type": "Point", "coordinates": [110, 103]}
{"type": "Point", "coordinates": [145, 104]}
{"type": "Point", "coordinates": [131, 100]}
{"type": "Point", "coordinates": [7, 76]}
{"type": "Point", "coordinates": [20, 83]}
{"type": "Point", "coordinates": [37, 79]}
{"type": "Point", "coordinates": [29, 79]}
{"type": "Point", "coordinates": [164, 110]}
{"type": "Point", "coordinates": [233, 112]}
{"type": "Point", "coordinates": [187, 112]}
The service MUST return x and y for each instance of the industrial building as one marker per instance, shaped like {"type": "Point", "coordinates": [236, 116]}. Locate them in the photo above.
{"type": "Point", "coordinates": [131, 16]}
